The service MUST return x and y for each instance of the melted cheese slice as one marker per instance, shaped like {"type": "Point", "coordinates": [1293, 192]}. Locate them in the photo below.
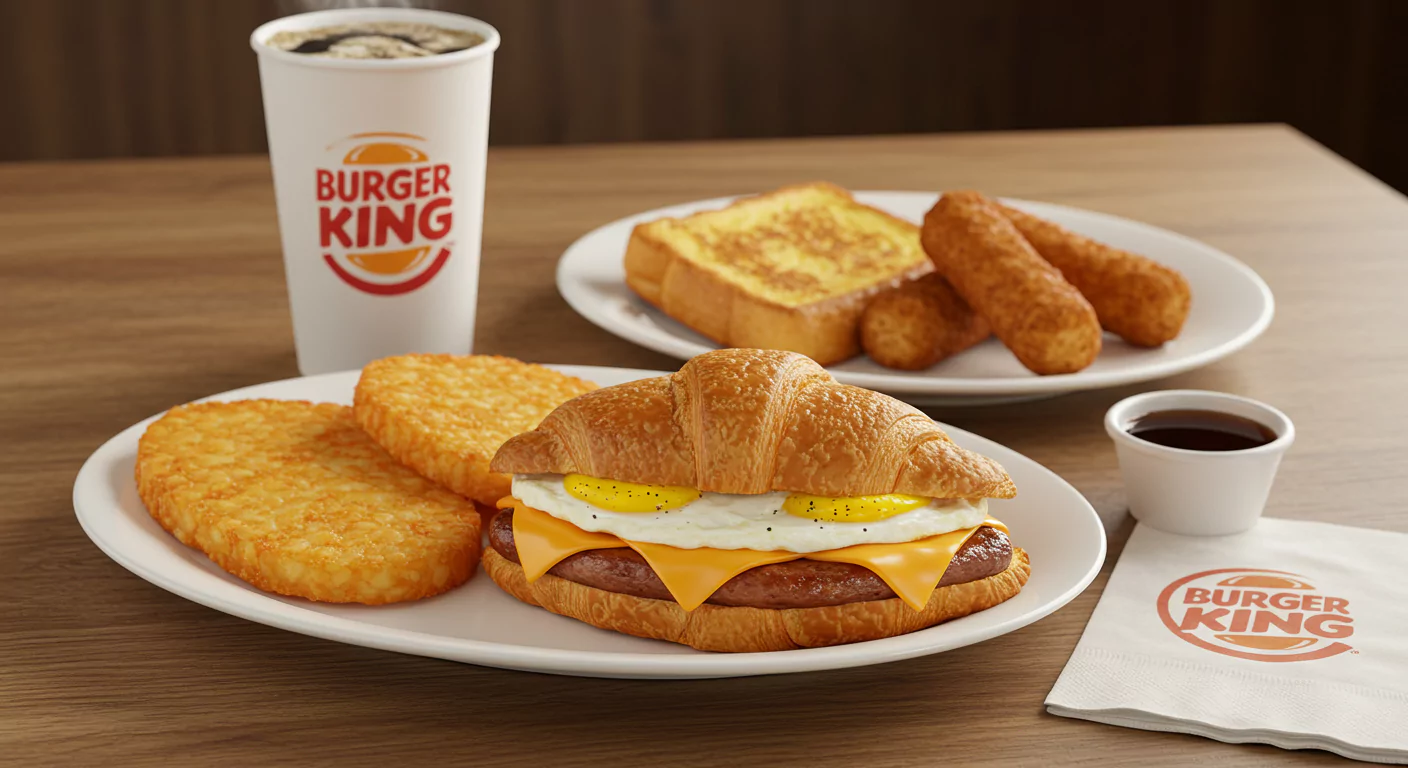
{"type": "Point", "coordinates": [692, 575]}
{"type": "Point", "coordinates": [544, 541]}
{"type": "Point", "coordinates": [912, 569]}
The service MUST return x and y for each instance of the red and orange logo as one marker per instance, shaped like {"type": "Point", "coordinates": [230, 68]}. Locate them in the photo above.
{"type": "Point", "coordinates": [1257, 614]}
{"type": "Point", "coordinates": [383, 211]}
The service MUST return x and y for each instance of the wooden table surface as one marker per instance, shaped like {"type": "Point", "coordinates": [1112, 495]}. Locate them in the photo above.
{"type": "Point", "coordinates": [129, 287]}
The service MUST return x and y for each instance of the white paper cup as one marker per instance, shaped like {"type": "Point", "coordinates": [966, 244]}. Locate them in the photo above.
{"type": "Point", "coordinates": [379, 175]}
{"type": "Point", "coordinates": [1197, 493]}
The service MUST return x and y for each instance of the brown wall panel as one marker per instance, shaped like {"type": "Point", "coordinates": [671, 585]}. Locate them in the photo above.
{"type": "Point", "coordinates": [106, 78]}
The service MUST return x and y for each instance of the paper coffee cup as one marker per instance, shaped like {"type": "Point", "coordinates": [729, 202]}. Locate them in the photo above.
{"type": "Point", "coordinates": [379, 178]}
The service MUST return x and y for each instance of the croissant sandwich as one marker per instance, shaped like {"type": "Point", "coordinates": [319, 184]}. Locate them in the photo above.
{"type": "Point", "coordinates": [750, 502]}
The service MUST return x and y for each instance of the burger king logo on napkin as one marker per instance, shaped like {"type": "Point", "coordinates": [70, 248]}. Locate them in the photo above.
{"type": "Point", "coordinates": [384, 213]}
{"type": "Point", "coordinates": [1256, 614]}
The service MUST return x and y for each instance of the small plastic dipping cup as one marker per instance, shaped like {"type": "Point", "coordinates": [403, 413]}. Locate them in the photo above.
{"type": "Point", "coordinates": [379, 177]}
{"type": "Point", "coordinates": [1197, 493]}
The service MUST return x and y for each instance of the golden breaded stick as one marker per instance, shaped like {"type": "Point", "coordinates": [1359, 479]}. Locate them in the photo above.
{"type": "Point", "coordinates": [294, 498]}
{"type": "Point", "coordinates": [919, 323]}
{"type": "Point", "coordinates": [1136, 298]}
{"type": "Point", "coordinates": [445, 416]}
{"type": "Point", "coordinates": [1042, 318]}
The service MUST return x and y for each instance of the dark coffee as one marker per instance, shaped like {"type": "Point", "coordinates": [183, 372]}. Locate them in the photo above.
{"type": "Point", "coordinates": [1201, 430]}
{"type": "Point", "coordinates": [375, 40]}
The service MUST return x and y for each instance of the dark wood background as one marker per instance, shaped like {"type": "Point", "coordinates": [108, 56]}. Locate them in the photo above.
{"type": "Point", "coordinates": [118, 78]}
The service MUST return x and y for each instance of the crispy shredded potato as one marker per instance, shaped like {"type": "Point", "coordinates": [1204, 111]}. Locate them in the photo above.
{"type": "Point", "coordinates": [445, 416]}
{"type": "Point", "coordinates": [296, 499]}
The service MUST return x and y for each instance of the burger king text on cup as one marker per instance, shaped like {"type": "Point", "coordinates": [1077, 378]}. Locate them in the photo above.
{"type": "Point", "coordinates": [383, 213]}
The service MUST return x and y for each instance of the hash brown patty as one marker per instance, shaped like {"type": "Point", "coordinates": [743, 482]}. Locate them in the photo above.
{"type": "Point", "coordinates": [294, 498]}
{"type": "Point", "coordinates": [445, 416]}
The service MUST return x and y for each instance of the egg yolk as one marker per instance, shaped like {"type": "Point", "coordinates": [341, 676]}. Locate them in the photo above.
{"type": "Point", "coordinates": [852, 509]}
{"type": "Point", "coordinates": [616, 496]}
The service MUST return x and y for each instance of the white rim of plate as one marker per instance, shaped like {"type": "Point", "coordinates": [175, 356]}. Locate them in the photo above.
{"type": "Point", "coordinates": [899, 383]}
{"type": "Point", "coordinates": [230, 598]}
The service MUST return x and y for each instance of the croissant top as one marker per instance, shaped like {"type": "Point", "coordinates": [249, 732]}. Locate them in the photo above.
{"type": "Point", "coordinates": [754, 421]}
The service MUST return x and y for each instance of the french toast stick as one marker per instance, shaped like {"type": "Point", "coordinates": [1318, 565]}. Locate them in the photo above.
{"type": "Point", "coordinates": [1043, 319]}
{"type": "Point", "coordinates": [1136, 298]}
{"type": "Point", "coordinates": [919, 323]}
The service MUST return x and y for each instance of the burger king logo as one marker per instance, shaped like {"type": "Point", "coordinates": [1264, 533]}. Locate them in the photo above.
{"type": "Point", "coordinates": [1256, 614]}
{"type": "Point", "coordinates": [384, 213]}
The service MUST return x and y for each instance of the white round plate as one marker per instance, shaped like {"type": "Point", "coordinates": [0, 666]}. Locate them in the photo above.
{"type": "Point", "coordinates": [479, 624]}
{"type": "Point", "coordinates": [1231, 307]}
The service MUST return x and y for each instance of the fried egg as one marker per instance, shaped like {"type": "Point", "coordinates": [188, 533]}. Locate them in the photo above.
{"type": "Point", "coordinates": [789, 522]}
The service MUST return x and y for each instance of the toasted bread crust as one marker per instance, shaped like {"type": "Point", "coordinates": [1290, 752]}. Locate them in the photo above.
{"type": "Point", "coordinates": [712, 299]}
{"type": "Point", "coordinates": [294, 498]}
{"type": "Point", "coordinates": [445, 415]}
{"type": "Point", "coordinates": [753, 421]}
{"type": "Point", "coordinates": [742, 629]}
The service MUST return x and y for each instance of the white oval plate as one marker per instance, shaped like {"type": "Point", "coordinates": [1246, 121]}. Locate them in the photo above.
{"type": "Point", "coordinates": [479, 624]}
{"type": "Point", "coordinates": [1231, 307]}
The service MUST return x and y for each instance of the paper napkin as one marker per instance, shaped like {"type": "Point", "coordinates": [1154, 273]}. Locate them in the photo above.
{"type": "Point", "coordinates": [1293, 634]}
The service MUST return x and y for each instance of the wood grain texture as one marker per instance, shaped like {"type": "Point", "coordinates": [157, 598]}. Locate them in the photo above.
{"type": "Point", "coordinates": [127, 287]}
{"type": "Point", "coordinates": [122, 78]}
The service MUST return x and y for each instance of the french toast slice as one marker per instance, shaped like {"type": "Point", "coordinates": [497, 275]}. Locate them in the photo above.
{"type": "Point", "coordinates": [791, 269]}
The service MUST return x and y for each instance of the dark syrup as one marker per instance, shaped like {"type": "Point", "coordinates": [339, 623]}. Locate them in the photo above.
{"type": "Point", "coordinates": [1201, 430]}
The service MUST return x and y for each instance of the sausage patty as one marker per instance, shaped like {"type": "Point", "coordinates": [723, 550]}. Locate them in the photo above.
{"type": "Point", "coordinates": [795, 584]}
